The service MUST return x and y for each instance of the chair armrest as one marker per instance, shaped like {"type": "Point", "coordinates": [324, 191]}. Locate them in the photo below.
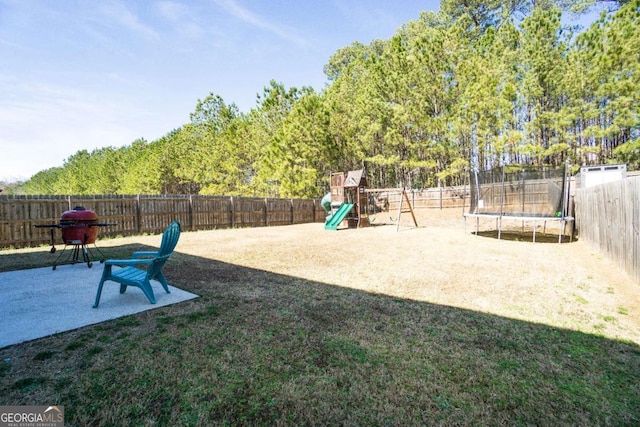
{"type": "Point", "coordinates": [144, 253]}
{"type": "Point", "coordinates": [127, 262]}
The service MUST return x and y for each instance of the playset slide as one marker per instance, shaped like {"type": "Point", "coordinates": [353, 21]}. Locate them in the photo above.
{"type": "Point", "coordinates": [333, 222]}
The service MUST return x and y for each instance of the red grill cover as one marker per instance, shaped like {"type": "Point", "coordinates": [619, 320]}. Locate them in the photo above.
{"type": "Point", "coordinates": [76, 227]}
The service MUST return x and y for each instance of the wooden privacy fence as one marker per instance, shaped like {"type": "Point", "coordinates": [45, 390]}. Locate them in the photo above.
{"type": "Point", "coordinates": [147, 214]}
{"type": "Point", "coordinates": [439, 197]}
{"type": "Point", "coordinates": [608, 218]}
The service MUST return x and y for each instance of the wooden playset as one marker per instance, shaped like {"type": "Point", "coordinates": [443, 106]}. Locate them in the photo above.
{"type": "Point", "coordinates": [348, 200]}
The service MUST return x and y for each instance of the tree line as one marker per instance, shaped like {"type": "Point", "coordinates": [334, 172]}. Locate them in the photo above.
{"type": "Point", "coordinates": [477, 85]}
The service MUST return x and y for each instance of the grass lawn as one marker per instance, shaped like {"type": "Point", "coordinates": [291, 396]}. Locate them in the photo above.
{"type": "Point", "coordinates": [301, 326]}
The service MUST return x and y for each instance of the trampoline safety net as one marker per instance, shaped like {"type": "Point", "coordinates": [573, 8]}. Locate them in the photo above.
{"type": "Point", "coordinates": [523, 192]}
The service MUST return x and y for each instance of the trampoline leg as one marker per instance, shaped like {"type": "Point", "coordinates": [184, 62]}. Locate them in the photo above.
{"type": "Point", "coordinates": [534, 231]}
{"type": "Point", "coordinates": [571, 230]}
{"type": "Point", "coordinates": [560, 228]}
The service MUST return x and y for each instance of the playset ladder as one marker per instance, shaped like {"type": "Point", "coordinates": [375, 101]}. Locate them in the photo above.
{"type": "Point", "coordinates": [405, 199]}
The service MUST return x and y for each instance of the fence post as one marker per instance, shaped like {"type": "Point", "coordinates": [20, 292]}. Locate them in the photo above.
{"type": "Point", "coordinates": [191, 212]}
{"type": "Point", "coordinates": [138, 215]}
{"type": "Point", "coordinates": [232, 212]}
{"type": "Point", "coordinates": [265, 211]}
{"type": "Point", "coordinates": [291, 210]}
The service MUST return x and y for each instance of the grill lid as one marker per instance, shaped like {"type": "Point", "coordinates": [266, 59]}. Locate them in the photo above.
{"type": "Point", "coordinates": [78, 215]}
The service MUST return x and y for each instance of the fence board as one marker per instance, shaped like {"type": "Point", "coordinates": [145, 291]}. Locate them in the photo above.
{"type": "Point", "coordinates": [440, 197]}
{"type": "Point", "coordinates": [607, 218]}
{"type": "Point", "coordinates": [303, 211]}
{"type": "Point", "coordinates": [211, 212]}
{"type": "Point", "coordinates": [279, 211]}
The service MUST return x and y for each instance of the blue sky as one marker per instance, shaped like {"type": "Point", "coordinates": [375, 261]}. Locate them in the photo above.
{"type": "Point", "coordinates": [80, 74]}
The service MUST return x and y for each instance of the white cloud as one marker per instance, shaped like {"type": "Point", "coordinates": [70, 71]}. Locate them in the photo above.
{"type": "Point", "coordinates": [182, 17]}
{"type": "Point", "coordinates": [122, 15]}
{"type": "Point", "coordinates": [10, 44]}
{"type": "Point", "coordinates": [235, 9]}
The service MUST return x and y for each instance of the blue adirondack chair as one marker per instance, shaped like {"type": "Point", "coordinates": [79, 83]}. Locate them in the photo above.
{"type": "Point", "coordinates": [132, 273]}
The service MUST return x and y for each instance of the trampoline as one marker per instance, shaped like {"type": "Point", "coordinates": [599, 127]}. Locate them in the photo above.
{"type": "Point", "coordinates": [521, 193]}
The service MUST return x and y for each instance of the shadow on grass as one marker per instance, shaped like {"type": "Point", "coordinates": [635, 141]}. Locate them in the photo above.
{"type": "Point", "coordinates": [260, 348]}
{"type": "Point", "coordinates": [23, 259]}
{"type": "Point", "coordinates": [527, 236]}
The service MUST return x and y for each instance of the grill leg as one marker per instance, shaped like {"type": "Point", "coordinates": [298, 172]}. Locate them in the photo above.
{"type": "Point", "coordinates": [76, 254]}
{"type": "Point", "coordinates": [53, 243]}
{"type": "Point", "coordinates": [85, 256]}
{"type": "Point", "coordinates": [55, 264]}
{"type": "Point", "coordinates": [102, 258]}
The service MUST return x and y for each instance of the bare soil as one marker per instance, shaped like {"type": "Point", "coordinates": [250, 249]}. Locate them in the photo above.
{"type": "Point", "coordinates": [568, 285]}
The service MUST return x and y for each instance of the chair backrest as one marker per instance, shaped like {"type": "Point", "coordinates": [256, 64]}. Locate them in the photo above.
{"type": "Point", "coordinates": [169, 241]}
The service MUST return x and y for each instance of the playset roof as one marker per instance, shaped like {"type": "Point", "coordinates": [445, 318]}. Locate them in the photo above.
{"type": "Point", "coordinates": [355, 179]}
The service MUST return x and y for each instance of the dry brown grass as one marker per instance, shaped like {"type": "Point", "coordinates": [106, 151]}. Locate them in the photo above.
{"type": "Point", "coordinates": [301, 326]}
{"type": "Point", "coordinates": [566, 285]}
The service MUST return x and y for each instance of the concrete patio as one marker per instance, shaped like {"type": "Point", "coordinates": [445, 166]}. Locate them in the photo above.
{"type": "Point", "coordinates": [40, 302]}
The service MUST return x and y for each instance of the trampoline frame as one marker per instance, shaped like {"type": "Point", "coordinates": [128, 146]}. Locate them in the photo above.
{"type": "Point", "coordinates": [563, 219]}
